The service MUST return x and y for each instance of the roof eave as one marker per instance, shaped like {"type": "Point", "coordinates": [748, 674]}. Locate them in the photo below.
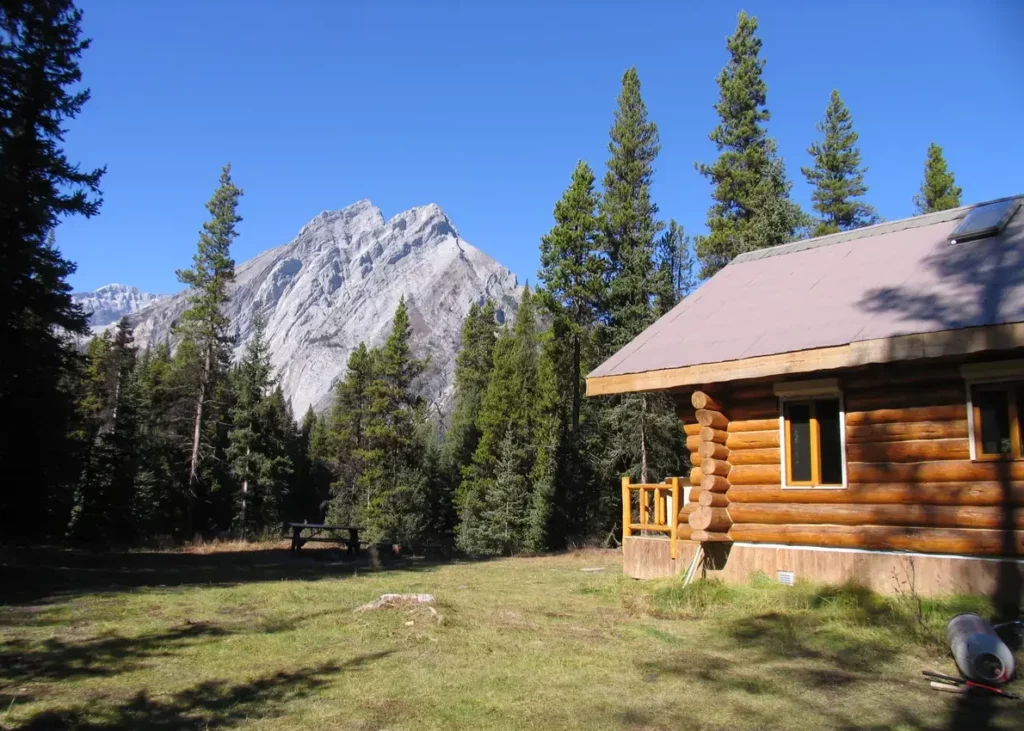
{"type": "Point", "coordinates": [917, 346]}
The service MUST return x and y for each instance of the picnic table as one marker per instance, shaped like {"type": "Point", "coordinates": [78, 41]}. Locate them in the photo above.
{"type": "Point", "coordinates": [303, 533]}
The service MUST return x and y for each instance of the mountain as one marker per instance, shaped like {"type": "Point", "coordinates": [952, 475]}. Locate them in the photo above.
{"type": "Point", "coordinates": [108, 304]}
{"type": "Point", "coordinates": [338, 283]}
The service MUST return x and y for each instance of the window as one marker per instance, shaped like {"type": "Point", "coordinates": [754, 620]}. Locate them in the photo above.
{"type": "Point", "coordinates": [994, 420]}
{"type": "Point", "coordinates": [814, 442]}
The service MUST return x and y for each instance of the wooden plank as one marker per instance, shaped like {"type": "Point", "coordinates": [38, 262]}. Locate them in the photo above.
{"type": "Point", "coordinates": [906, 431]}
{"type": "Point", "coordinates": [924, 516]}
{"type": "Point", "coordinates": [926, 450]}
{"type": "Point", "coordinates": [918, 493]}
{"type": "Point", "coordinates": [962, 541]}
{"type": "Point", "coordinates": [961, 341]}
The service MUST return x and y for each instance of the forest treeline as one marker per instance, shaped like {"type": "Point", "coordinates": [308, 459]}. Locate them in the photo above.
{"type": "Point", "coordinates": [122, 445]}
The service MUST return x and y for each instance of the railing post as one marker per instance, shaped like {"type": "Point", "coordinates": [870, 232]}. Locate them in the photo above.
{"type": "Point", "coordinates": [643, 506]}
{"type": "Point", "coordinates": [627, 509]}
{"type": "Point", "coordinates": [674, 535]}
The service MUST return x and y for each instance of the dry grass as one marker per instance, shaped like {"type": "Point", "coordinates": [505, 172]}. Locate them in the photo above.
{"type": "Point", "coordinates": [228, 637]}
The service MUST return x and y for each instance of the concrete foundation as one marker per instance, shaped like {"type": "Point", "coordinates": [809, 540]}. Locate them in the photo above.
{"type": "Point", "coordinates": [885, 572]}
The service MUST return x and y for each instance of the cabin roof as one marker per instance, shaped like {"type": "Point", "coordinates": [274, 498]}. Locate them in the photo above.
{"type": "Point", "coordinates": [867, 286]}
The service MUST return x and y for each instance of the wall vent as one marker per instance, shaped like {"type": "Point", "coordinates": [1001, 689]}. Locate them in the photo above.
{"type": "Point", "coordinates": [787, 578]}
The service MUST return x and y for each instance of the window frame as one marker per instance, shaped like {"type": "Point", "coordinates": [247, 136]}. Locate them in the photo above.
{"type": "Point", "coordinates": [809, 391]}
{"type": "Point", "coordinates": [995, 383]}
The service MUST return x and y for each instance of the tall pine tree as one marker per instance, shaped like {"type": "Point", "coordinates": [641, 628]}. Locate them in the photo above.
{"type": "Point", "coordinates": [751, 209]}
{"type": "Point", "coordinates": [40, 90]}
{"type": "Point", "coordinates": [344, 445]}
{"type": "Point", "coordinates": [837, 174]}
{"type": "Point", "coordinates": [260, 440]}
{"type": "Point", "coordinates": [204, 325]}
{"type": "Point", "coordinates": [939, 191]}
{"type": "Point", "coordinates": [628, 216]}
{"type": "Point", "coordinates": [675, 267]}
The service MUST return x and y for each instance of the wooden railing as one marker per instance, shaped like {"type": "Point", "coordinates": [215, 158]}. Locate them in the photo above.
{"type": "Point", "coordinates": [655, 513]}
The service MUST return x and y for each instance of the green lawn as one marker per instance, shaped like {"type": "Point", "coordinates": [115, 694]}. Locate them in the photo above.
{"type": "Point", "coordinates": [260, 639]}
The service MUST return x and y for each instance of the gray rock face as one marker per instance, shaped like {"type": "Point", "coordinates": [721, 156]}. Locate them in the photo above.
{"type": "Point", "coordinates": [338, 283]}
{"type": "Point", "coordinates": [108, 304]}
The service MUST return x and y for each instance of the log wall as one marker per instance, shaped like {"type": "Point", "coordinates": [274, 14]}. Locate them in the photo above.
{"type": "Point", "coordinates": [911, 483]}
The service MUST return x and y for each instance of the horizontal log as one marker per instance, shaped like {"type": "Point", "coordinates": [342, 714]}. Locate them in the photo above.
{"type": "Point", "coordinates": [702, 400]}
{"type": "Point", "coordinates": [710, 450]}
{"type": "Point", "coordinates": [925, 450]}
{"type": "Point", "coordinates": [754, 439]}
{"type": "Point", "coordinates": [707, 434]}
{"type": "Point", "coordinates": [923, 516]}
{"type": "Point", "coordinates": [715, 483]}
{"type": "Point", "coordinates": [923, 493]}
{"type": "Point", "coordinates": [882, 398]}
{"type": "Point", "coordinates": [696, 459]}
{"type": "Point", "coordinates": [755, 410]}
{"type": "Point", "coordinates": [964, 541]}
{"type": "Point", "coordinates": [704, 536]}
{"type": "Point", "coordinates": [902, 432]}
{"type": "Point", "coordinates": [753, 392]}
{"type": "Point", "coordinates": [710, 519]}
{"type": "Point", "coordinates": [683, 531]}
{"type": "Point", "coordinates": [713, 499]}
{"type": "Point", "coordinates": [898, 374]}
{"type": "Point", "coordinates": [755, 456]}
{"type": "Point", "coordinates": [695, 474]}
{"type": "Point", "coordinates": [756, 475]}
{"type": "Point", "coordinates": [948, 471]}
{"type": "Point", "coordinates": [693, 443]}
{"type": "Point", "coordinates": [691, 430]}
{"type": "Point", "coordinates": [716, 467]}
{"type": "Point", "coordinates": [684, 513]}
{"type": "Point", "coordinates": [951, 412]}
{"type": "Point", "coordinates": [695, 496]}
{"type": "Point", "coordinates": [753, 424]}
{"type": "Point", "coordinates": [714, 419]}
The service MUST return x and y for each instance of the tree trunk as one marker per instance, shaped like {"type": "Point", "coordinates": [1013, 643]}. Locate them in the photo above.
{"type": "Point", "coordinates": [643, 439]}
{"type": "Point", "coordinates": [193, 474]}
{"type": "Point", "coordinates": [576, 384]}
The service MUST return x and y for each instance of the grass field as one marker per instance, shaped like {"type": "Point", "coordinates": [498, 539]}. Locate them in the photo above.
{"type": "Point", "coordinates": [260, 639]}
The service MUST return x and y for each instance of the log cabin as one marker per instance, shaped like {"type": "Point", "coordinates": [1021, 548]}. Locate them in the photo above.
{"type": "Point", "coordinates": [852, 406]}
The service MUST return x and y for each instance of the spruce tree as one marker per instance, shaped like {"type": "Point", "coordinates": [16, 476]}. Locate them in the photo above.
{"type": "Point", "coordinates": [40, 91]}
{"type": "Point", "coordinates": [389, 475]}
{"type": "Point", "coordinates": [204, 325]}
{"type": "Point", "coordinates": [259, 439]}
{"type": "Point", "coordinates": [343, 445]}
{"type": "Point", "coordinates": [939, 191]}
{"type": "Point", "coordinates": [675, 268]}
{"type": "Point", "coordinates": [472, 374]}
{"type": "Point", "coordinates": [751, 209]}
{"type": "Point", "coordinates": [629, 217]}
{"type": "Point", "coordinates": [571, 279]}
{"type": "Point", "coordinates": [837, 174]}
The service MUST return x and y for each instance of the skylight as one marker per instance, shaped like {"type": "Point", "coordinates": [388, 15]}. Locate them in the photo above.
{"type": "Point", "coordinates": [984, 221]}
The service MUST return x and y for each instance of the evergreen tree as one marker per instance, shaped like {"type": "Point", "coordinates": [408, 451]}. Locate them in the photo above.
{"type": "Point", "coordinates": [939, 191]}
{"type": "Point", "coordinates": [505, 507]}
{"type": "Point", "coordinates": [752, 208]}
{"type": "Point", "coordinates": [508, 409]}
{"type": "Point", "coordinates": [389, 476]}
{"type": "Point", "coordinates": [104, 495]}
{"type": "Point", "coordinates": [472, 374]}
{"type": "Point", "coordinates": [40, 90]}
{"type": "Point", "coordinates": [260, 440]}
{"type": "Point", "coordinates": [204, 325]}
{"type": "Point", "coordinates": [675, 268]}
{"type": "Point", "coordinates": [344, 444]}
{"type": "Point", "coordinates": [311, 487]}
{"type": "Point", "coordinates": [837, 174]}
{"type": "Point", "coordinates": [628, 216]}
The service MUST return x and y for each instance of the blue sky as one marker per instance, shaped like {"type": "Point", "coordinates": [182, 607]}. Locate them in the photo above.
{"type": "Point", "coordinates": [485, 107]}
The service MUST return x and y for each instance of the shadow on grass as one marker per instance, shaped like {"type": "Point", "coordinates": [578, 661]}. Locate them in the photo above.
{"type": "Point", "coordinates": [55, 659]}
{"type": "Point", "coordinates": [207, 705]}
{"type": "Point", "coordinates": [45, 574]}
